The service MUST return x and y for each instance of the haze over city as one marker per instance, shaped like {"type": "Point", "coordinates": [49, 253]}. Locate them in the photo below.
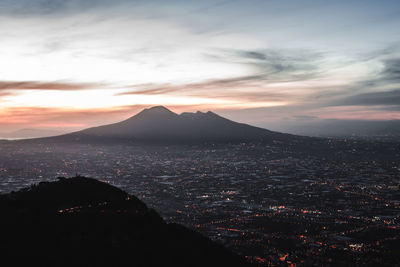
{"type": "Point", "coordinates": [69, 65]}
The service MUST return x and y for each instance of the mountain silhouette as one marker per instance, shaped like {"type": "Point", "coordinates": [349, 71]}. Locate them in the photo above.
{"type": "Point", "coordinates": [85, 222]}
{"type": "Point", "coordinates": [159, 124]}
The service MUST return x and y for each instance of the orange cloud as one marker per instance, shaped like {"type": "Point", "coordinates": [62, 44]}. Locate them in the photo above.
{"type": "Point", "coordinates": [4, 94]}
{"type": "Point", "coordinates": [27, 117]}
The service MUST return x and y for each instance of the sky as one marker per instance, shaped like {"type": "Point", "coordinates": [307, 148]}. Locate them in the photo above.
{"type": "Point", "coordinates": [70, 64]}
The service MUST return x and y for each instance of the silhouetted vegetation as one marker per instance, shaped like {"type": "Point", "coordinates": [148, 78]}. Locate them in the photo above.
{"type": "Point", "coordinates": [85, 222]}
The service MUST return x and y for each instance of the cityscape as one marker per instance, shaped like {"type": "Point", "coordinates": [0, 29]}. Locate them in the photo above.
{"type": "Point", "coordinates": [270, 204]}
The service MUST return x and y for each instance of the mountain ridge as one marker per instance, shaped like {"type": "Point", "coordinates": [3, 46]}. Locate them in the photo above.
{"type": "Point", "coordinates": [160, 125]}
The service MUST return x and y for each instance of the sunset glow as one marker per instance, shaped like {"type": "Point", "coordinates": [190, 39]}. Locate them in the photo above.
{"type": "Point", "coordinates": [81, 60]}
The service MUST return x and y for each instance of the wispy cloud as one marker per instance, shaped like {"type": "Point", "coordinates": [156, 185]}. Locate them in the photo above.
{"type": "Point", "coordinates": [283, 64]}
{"type": "Point", "coordinates": [4, 94]}
{"type": "Point", "coordinates": [151, 89]}
{"type": "Point", "coordinates": [389, 98]}
{"type": "Point", "coordinates": [46, 7]}
{"type": "Point", "coordinates": [36, 85]}
{"type": "Point", "coordinates": [380, 90]}
{"type": "Point", "coordinates": [272, 74]}
{"type": "Point", "coordinates": [391, 72]}
{"type": "Point", "coordinates": [246, 89]}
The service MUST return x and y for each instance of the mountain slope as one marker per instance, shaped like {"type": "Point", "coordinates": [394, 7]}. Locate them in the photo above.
{"type": "Point", "coordinates": [158, 124]}
{"type": "Point", "coordinates": [84, 222]}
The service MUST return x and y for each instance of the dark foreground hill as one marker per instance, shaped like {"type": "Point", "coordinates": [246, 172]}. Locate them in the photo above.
{"type": "Point", "coordinates": [160, 125]}
{"type": "Point", "coordinates": [84, 222]}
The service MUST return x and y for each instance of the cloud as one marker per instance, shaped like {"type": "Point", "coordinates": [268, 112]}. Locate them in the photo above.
{"type": "Point", "coordinates": [305, 117]}
{"type": "Point", "coordinates": [35, 85]}
{"type": "Point", "coordinates": [213, 6]}
{"type": "Point", "coordinates": [283, 64]}
{"type": "Point", "coordinates": [388, 98]}
{"type": "Point", "coordinates": [388, 75]}
{"type": "Point", "coordinates": [391, 71]}
{"type": "Point", "coordinates": [391, 108]}
{"type": "Point", "coordinates": [152, 89]}
{"type": "Point", "coordinates": [244, 89]}
{"type": "Point", "coordinates": [46, 7]}
{"type": "Point", "coordinates": [254, 55]}
{"type": "Point", "coordinates": [22, 117]}
{"type": "Point", "coordinates": [377, 87]}
{"type": "Point", "coordinates": [274, 65]}
{"type": "Point", "coordinates": [4, 94]}
{"type": "Point", "coordinates": [269, 70]}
